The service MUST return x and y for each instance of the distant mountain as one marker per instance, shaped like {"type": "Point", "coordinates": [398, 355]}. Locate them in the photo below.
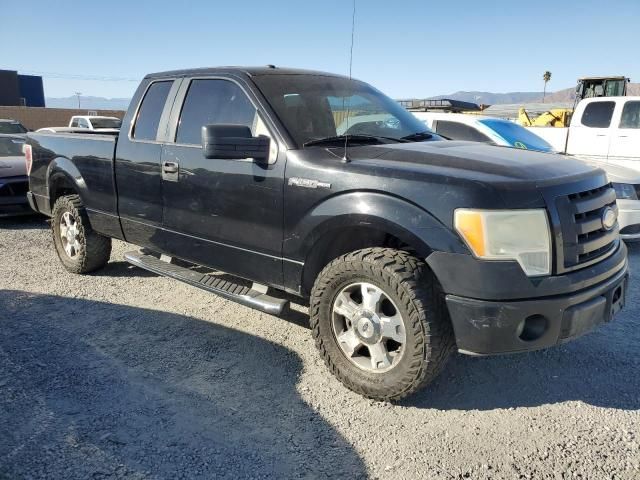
{"type": "Point", "coordinates": [90, 103]}
{"type": "Point", "coordinates": [489, 98]}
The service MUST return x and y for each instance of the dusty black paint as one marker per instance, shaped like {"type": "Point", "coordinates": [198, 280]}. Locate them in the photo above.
{"type": "Point", "coordinates": [249, 219]}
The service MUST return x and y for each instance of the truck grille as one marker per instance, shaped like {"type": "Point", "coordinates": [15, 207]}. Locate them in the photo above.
{"type": "Point", "coordinates": [584, 238]}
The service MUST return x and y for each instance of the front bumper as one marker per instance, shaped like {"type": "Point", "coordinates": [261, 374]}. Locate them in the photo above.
{"type": "Point", "coordinates": [504, 316]}
{"type": "Point", "coordinates": [629, 216]}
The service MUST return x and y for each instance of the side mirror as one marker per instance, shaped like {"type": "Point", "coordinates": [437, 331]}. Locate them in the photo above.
{"type": "Point", "coordinates": [233, 142]}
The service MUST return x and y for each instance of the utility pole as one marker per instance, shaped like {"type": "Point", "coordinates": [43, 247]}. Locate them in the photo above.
{"type": "Point", "coordinates": [78, 95]}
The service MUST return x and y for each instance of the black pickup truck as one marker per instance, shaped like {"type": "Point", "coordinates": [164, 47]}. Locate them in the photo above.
{"type": "Point", "coordinates": [259, 183]}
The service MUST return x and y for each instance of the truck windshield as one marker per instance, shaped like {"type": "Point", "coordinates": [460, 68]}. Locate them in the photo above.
{"type": "Point", "coordinates": [517, 136]}
{"type": "Point", "coordinates": [11, 147]}
{"type": "Point", "coordinates": [316, 107]}
{"type": "Point", "coordinates": [12, 127]}
{"type": "Point", "coordinates": [105, 123]}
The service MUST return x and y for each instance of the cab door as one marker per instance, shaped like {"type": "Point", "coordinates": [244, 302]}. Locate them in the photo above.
{"type": "Point", "coordinates": [137, 162]}
{"type": "Point", "coordinates": [625, 140]}
{"type": "Point", "coordinates": [225, 214]}
{"type": "Point", "coordinates": [590, 136]}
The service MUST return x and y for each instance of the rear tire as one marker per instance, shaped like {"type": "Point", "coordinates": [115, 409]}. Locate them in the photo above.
{"type": "Point", "coordinates": [79, 247]}
{"type": "Point", "coordinates": [380, 322]}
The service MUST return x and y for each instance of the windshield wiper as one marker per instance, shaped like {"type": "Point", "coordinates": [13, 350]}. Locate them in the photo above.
{"type": "Point", "coordinates": [418, 136]}
{"type": "Point", "coordinates": [352, 138]}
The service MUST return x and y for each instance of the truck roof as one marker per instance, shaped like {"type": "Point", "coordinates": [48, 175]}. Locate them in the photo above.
{"type": "Point", "coordinates": [250, 71]}
{"type": "Point", "coordinates": [605, 78]}
{"type": "Point", "coordinates": [612, 99]}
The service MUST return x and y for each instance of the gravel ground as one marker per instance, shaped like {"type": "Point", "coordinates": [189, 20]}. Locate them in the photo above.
{"type": "Point", "coordinates": [125, 374]}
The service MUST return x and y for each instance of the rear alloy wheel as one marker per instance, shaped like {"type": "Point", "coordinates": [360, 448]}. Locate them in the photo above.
{"type": "Point", "coordinates": [79, 247]}
{"type": "Point", "coordinates": [69, 235]}
{"type": "Point", "coordinates": [380, 322]}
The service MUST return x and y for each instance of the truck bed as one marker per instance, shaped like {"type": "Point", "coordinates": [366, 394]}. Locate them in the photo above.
{"type": "Point", "coordinates": [91, 157]}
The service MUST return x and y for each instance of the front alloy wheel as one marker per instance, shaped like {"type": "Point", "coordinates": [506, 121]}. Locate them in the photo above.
{"type": "Point", "coordinates": [368, 327]}
{"type": "Point", "coordinates": [380, 322]}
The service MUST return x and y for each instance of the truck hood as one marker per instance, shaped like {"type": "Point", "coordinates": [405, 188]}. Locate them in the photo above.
{"type": "Point", "coordinates": [478, 161]}
{"type": "Point", "coordinates": [12, 166]}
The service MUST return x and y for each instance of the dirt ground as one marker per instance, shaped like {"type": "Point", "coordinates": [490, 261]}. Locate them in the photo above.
{"type": "Point", "coordinates": [125, 374]}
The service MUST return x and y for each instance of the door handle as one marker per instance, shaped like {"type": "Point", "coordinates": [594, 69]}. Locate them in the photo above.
{"type": "Point", "coordinates": [170, 167]}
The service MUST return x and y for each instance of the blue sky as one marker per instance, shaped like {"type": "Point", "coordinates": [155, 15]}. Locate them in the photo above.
{"type": "Point", "coordinates": [407, 48]}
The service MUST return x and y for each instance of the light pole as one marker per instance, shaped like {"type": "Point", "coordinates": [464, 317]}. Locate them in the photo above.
{"type": "Point", "coordinates": [78, 95]}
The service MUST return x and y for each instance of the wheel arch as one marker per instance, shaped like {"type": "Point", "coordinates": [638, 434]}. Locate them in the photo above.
{"type": "Point", "coordinates": [64, 178]}
{"type": "Point", "coordinates": [362, 220]}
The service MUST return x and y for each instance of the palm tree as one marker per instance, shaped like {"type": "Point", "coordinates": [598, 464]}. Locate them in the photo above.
{"type": "Point", "coordinates": [546, 77]}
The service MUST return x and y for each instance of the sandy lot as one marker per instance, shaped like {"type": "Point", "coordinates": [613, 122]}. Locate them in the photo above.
{"type": "Point", "coordinates": [125, 374]}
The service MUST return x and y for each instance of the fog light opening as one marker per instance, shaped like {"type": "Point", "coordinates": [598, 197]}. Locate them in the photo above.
{"type": "Point", "coordinates": [532, 328]}
{"type": "Point", "coordinates": [616, 295]}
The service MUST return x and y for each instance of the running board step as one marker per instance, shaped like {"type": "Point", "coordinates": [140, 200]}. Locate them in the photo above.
{"type": "Point", "coordinates": [231, 288]}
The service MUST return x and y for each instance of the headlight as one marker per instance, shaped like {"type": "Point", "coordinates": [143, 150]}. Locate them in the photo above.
{"type": "Point", "coordinates": [625, 191]}
{"type": "Point", "coordinates": [520, 235]}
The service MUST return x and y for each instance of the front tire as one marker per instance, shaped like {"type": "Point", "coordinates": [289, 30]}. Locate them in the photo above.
{"type": "Point", "coordinates": [79, 247]}
{"type": "Point", "coordinates": [380, 322]}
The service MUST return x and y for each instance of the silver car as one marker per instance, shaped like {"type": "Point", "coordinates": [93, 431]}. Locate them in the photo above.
{"type": "Point", "coordinates": [14, 182]}
{"type": "Point", "coordinates": [12, 127]}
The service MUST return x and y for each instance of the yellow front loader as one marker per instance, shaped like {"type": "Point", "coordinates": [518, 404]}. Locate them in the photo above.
{"type": "Point", "coordinates": [556, 117]}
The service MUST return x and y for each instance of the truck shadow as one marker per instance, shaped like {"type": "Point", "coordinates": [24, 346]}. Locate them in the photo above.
{"type": "Point", "coordinates": [104, 389]}
{"type": "Point", "coordinates": [24, 222]}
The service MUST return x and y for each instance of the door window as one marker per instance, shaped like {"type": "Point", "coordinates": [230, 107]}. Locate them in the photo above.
{"type": "Point", "coordinates": [211, 102]}
{"type": "Point", "coordinates": [460, 131]}
{"type": "Point", "coordinates": [598, 114]}
{"type": "Point", "coordinates": [630, 115]}
{"type": "Point", "coordinates": [146, 126]}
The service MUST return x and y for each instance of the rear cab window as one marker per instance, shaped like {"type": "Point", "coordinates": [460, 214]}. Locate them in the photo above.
{"type": "Point", "coordinates": [150, 111]}
{"type": "Point", "coordinates": [630, 115]}
{"type": "Point", "coordinates": [213, 101]}
{"type": "Point", "coordinates": [598, 114]}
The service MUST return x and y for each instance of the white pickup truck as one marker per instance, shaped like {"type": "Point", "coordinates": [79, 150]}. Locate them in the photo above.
{"type": "Point", "coordinates": [95, 123]}
{"type": "Point", "coordinates": [606, 129]}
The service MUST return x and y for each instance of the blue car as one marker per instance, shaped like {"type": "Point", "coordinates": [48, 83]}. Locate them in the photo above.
{"type": "Point", "coordinates": [478, 128]}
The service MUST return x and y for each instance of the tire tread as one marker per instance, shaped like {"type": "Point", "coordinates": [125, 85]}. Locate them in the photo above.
{"type": "Point", "coordinates": [97, 248]}
{"type": "Point", "coordinates": [418, 290]}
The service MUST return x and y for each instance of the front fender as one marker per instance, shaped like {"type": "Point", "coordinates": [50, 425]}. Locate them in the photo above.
{"type": "Point", "coordinates": [389, 214]}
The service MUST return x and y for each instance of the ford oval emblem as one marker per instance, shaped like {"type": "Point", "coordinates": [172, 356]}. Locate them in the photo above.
{"type": "Point", "coordinates": [609, 217]}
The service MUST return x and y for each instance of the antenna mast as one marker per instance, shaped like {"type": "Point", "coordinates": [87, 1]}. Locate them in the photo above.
{"type": "Point", "coordinates": [345, 158]}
